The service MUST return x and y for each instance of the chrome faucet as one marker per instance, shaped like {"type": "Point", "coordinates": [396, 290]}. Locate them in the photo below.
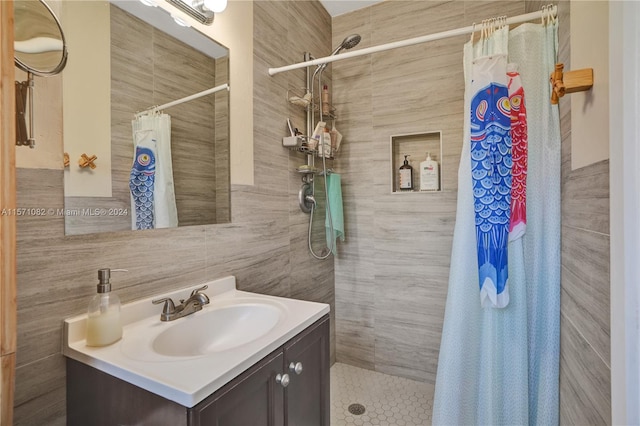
{"type": "Point", "coordinates": [194, 303]}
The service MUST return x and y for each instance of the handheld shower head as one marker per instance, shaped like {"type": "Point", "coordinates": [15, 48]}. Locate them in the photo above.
{"type": "Point", "coordinates": [349, 42]}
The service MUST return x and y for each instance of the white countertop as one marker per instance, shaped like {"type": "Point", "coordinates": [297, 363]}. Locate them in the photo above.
{"type": "Point", "coordinates": [185, 380]}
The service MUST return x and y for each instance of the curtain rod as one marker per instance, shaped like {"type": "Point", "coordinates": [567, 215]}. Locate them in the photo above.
{"type": "Point", "coordinates": [411, 41]}
{"type": "Point", "coordinates": [183, 100]}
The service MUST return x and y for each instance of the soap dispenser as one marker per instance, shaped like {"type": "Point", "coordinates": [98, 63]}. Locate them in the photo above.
{"type": "Point", "coordinates": [406, 176]}
{"type": "Point", "coordinates": [429, 176]}
{"type": "Point", "coordinates": [104, 326]}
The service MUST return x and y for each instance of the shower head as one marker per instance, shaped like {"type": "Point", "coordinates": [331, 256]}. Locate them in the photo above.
{"type": "Point", "coordinates": [348, 43]}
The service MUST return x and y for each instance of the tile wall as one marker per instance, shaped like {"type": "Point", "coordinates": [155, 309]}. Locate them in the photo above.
{"type": "Point", "coordinates": [392, 272]}
{"type": "Point", "coordinates": [585, 343]}
{"type": "Point", "coordinates": [264, 246]}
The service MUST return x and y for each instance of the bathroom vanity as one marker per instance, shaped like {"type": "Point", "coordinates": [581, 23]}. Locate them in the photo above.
{"type": "Point", "coordinates": [280, 377]}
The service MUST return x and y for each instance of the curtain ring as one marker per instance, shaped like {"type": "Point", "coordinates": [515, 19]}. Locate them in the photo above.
{"type": "Point", "coordinates": [473, 30]}
{"type": "Point", "coordinates": [554, 13]}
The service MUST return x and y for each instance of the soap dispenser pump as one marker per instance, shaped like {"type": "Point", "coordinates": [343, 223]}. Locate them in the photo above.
{"type": "Point", "coordinates": [104, 326]}
{"type": "Point", "coordinates": [429, 176]}
{"type": "Point", "coordinates": [406, 175]}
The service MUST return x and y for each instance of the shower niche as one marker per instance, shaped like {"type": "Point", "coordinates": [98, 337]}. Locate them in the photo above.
{"type": "Point", "coordinates": [415, 146]}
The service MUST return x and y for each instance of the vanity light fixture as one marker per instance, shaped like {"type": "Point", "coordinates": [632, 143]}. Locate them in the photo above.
{"type": "Point", "coordinates": [216, 6]}
{"type": "Point", "coordinates": [195, 9]}
{"type": "Point", "coordinates": [178, 20]}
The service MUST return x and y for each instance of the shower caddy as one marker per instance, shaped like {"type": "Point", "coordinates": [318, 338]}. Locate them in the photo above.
{"type": "Point", "coordinates": [313, 105]}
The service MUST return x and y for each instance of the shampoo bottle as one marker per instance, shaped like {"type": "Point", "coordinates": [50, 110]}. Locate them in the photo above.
{"type": "Point", "coordinates": [326, 105]}
{"type": "Point", "coordinates": [325, 150]}
{"type": "Point", "coordinates": [317, 135]}
{"type": "Point", "coordinates": [406, 176]}
{"type": "Point", "coordinates": [429, 177]}
{"type": "Point", "coordinates": [103, 324]}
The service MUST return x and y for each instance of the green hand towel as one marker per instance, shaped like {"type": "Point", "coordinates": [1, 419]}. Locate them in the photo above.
{"type": "Point", "coordinates": [335, 229]}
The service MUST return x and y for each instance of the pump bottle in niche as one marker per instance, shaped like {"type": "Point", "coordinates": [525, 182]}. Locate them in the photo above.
{"type": "Point", "coordinates": [429, 176]}
{"type": "Point", "coordinates": [406, 175]}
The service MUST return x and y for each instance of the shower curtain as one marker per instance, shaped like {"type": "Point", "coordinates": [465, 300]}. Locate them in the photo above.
{"type": "Point", "coordinates": [153, 200]}
{"type": "Point", "coordinates": [501, 366]}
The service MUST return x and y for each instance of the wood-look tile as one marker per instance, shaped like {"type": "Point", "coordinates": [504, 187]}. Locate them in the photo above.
{"type": "Point", "coordinates": [399, 20]}
{"type": "Point", "coordinates": [585, 380]}
{"type": "Point", "coordinates": [476, 11]}
{"type": "Point", "coordinates": [41, 393]}
{"type": "Point", "coordinates": [585, 286]}
{"type": "Point", "coordinates": [258, 257]}
{"type": "Point", "coordinates": [355, 343]}
{"type": "Point", "coordinates": [256, 247]}
{"type": "Point", "coordinates": [585, 198]}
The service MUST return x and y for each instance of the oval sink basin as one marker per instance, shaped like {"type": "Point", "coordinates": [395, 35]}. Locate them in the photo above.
{"type": "Point", "coordinates": [217, 329]}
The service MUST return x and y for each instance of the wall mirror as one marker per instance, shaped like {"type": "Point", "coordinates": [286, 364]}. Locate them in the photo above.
{"type": "Point", "coordinates": [39, 49]}
{"type": "Point", "coordinates": [173, 164]}
{"type": "Point", "coordinates": [39, 42]}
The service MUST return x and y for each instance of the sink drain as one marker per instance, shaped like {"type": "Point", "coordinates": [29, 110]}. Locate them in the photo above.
{"type": "Point", "coordinates": [356, 409]}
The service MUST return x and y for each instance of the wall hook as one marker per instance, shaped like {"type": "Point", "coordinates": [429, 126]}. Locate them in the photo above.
{"type": "Point", "coordinates": [85, 161]}
{"type": "Point", "coordinates": [569, 82]}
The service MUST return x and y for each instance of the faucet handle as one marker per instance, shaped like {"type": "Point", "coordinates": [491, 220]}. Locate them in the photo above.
{"type": "Point", "coordinates": [198, 290]}
{"type": "Point", "coordinates": [169, 306]}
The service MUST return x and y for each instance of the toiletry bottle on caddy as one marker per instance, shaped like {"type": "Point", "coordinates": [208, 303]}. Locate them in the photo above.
{"type": "Point", "coordinates": [317, 136]}
{"type": "Point", "coordinates": [326, 103]}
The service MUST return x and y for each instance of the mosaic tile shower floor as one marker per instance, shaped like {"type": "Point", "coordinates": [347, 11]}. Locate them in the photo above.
{"type": "Point", "coordinates": [388, 400]}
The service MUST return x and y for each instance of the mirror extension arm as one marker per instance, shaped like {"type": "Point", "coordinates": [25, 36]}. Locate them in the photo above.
{"type": "Point", "coordinates": [22, 89]}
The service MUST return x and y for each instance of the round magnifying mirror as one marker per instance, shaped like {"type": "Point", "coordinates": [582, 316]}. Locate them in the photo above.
{"type": "Point", "coordinates": [40, 47]}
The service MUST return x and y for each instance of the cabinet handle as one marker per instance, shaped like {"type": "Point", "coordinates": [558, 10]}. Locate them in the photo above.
{"type": "Point", "coordinates": [296, 367]}
{"type": "Point", "coordinates": [282, 379]}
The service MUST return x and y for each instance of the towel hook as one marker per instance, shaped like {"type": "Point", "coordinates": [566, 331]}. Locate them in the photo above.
{"type": "Point", "coordinates": [86, 161]}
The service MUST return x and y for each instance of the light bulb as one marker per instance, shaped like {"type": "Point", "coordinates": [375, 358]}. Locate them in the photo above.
{"type": "Point", "coordinates": [215, 6]}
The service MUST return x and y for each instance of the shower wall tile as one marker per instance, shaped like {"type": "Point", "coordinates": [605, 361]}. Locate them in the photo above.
{"type": "Point", "coordinates": [392, 272]}
{"type": "Point", "coordinates": [585, 284]}
{"type": "Point", "coordinates": [585, 380]}
{"type": "Point", "coordinates": [399, 20]}
{"type": "Point", "coordinates": [585, 329]}
{"type": "Point", "coordinates": [476, 11]}
{"type": "Point", "coordinates": [586, 195]}
{"type": "Point", "coordinates": [264, 246]}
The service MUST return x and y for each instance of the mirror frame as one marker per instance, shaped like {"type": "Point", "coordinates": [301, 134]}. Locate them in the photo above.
{"type": "Point", "coordinates": [63, 61]}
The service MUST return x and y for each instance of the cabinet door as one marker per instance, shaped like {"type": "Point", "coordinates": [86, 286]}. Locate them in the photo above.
{"type": "Point", "coordinates": [254, 398]}
{"type": "Point", "coordinates": [307, 396]}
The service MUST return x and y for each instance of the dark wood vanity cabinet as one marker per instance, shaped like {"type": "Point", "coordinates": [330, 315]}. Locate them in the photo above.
{"type": "Point", "coordinates": [259, 396]}
{"type": "Point", "coordinates": [288, 387]}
